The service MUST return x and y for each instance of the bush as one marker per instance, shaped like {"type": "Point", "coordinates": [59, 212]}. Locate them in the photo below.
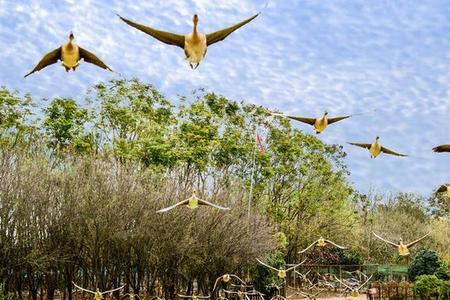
{"type": "Point", "coordinates": [443, 272]}
{"type": "Point", "coordinates": [425, 262]}
{"type": "Point", "coordinates": [3, 294]}
{"type": "Point", "coordinates": [444, 290]}
{"type": "Point", "coordinates": [426, 286]}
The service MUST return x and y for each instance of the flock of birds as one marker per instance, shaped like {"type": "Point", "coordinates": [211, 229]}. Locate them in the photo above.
{"type": "Point", "coordinates": [195, 46]}
{"type": "Point", "coordinates": [240, 290]}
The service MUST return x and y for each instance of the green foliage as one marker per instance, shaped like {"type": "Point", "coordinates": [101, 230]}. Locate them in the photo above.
{"type": "Point", "coordinates": [264, 277]}
{"type": "Point", "coordinates": [425, 262]}
{"type": "Point", "coordinates": [65, 125]}
{"type": "Point", "coordinates": [443, 272]}
{"type": "Point", "coordinates": [4, 295]}
{"type": "Point", "coordinates": [444, 290]}
{"type": "Point", "coordinates": [426, 286]}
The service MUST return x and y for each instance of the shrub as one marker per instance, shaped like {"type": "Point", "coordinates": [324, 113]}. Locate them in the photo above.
{"type": "Point", "coordinates": [443, 272]}
{"type": "Point", "coordinates": [426, 286]}
{"type": "Point", "coordinates": [425, 262]}
{"type": "Point", "coordinates": [444, 290]}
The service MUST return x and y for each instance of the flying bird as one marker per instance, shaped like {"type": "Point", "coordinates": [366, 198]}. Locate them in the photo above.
{"type": "Point", "coordinates": [320, 123]}
{"type": "Point", "coordinates": [375, 148]}
{"type": "Point", "coordinates": [354, 290]}
{"type": "Point", "coordinates": [442, 148]}
{"type": "Point", "coordinates": [281, 273]}
{"type": "Point", "coordinates": [403, 249]}
{"type": "Point", "coordinates": [192, 202]}
{"type": "Point", "coordinates": [227, 278]}
{"type": "Point", "coordinates": [195, 44]}
{"type": "Point", "coordinates": [444, 189]}
{"type": "Point", "coordinates": [321, 242]}
{"type": "Point", "coordinates": [97, 294]}
{"type": "Point", "coordinates": [70, 54]}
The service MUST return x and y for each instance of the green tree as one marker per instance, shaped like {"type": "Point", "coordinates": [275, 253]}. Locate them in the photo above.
{"type": "Point", "coordinates": [425, 262]}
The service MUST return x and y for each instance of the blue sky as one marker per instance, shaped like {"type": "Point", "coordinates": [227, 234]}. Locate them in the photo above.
{"type": "Point", "coordinates": [299, 57]}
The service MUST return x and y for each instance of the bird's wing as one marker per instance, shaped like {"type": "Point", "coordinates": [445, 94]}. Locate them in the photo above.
{"type": "Point", "coordinates": [297, 265]}
{"type": "Point", "coordinates": [91, 58]}
{"type": "Point", "coordinates": [310, 121]}
{"type": "Point", "coordinates": [204, 202]}
{"type": "Point", "coordinates": [367, 146]}
{"type": "Point", "coordinates": [48, 59]}
{"type": "Point", "coordinates": [307, 248]}
{"type": "Point", "coordinates": [220, 35]}
{"type": "Point", "coordinates": [336, 245]}
{"type": "Point", "coordinates": [267, 266]}
{"type": "Point", "coordinates": [441, 189]}
{"type": "Point", "coordinates": [163, 36]}
{"type": "Point", "coordinates": [83, 289]}
{"type": "Point", "coordinates": [418, 240]}
{"type": "Point", "coordinates": [342, 283]}
{"type": "Point", "coordinates": [388, 151]}
{"type": "Point", "coordinates": [173, 206]}
{"type": "Point", "coordinates": [111, 291]}
{"type": "Point", "coordinates": [368, 279]}
{"type": "Point", "coordinates": [442, 148]}
{"type": "Point", "coordinates": [215, 283]}
{"type": "Point", "coordinates": [384, 240]}
{"type": "Point", "coordinates": [183, 296]}
{"type": "Point", "coordinates": [337, 119]}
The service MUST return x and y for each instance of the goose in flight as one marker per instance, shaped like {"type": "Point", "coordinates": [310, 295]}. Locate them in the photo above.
{"type": "Point", "coordinates": [354, 290]}
{"type": "Point", "coordinates": [403, 249]}
{"type": "Point", "coordinates": [70, 54]}
{"type": "Point", "coordinates": [442, 148]}
{"type": "Point", "coordinates": [192, 202]}
{"type": "Point", "coordinates": [444, 189]}
{"type": "Point", "coordinates": [321, 242]}
{"type": "Point", "coordinates": [320, 123]}
{"type": "Point", "coordinates": [375, 148]}
{"type": "Point", "coordinates": [227, 278]}
{"type": "Point", "coordinates": [281, 273]}
{"type": "Point", "coordinates": [98, 295]}
{"type": "Point", "coordinates": [195, 44]}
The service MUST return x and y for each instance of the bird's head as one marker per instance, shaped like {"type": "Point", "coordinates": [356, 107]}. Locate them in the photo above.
{"type": "Point", "coordinates": [325, 113]}
{"type": "Point", "coordinates": [71, 36]}
{"type": "Point", "coordinates": [195, 19]}
{"type": "Point", "coordinates": [226, 278]}
{"type": "Point", "coordinates": [377, 138]}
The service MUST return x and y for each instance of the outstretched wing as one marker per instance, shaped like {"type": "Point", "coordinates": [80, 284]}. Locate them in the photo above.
{"type": "Point", "coordinates": [336, 245]}
{"type": "Point", "coordinates": [297, 265]}
{"type": "Point", "coordinates": [418, 240]}
{"type": "Point", "coordinates": [163, 36]}
{"type": "Point", "coordinates": [442, 189]}
{"type": "Point", "coordinates": [184, 202]}
{"type": "Point", "coordinates": [83, 289]}
{"type": "Point", "coordinates": [384, 240]}
{"type": "Point", "coordinates": [220, 35]}
{"type": "Point", "coordinates": [267, 266]}
{"type": "Point", "coordinates": [204, 202]}
{"type": "Point", "coordinates": [309, 121]}
{"type": "Point", "coordinates": [367, 146]}
{"type": "Point", "coordinates": [388, 151]}
{"type": "Point", "coordinates": [111, 291]}
{"type": "Point", "coordinates": [337, 119]}
{"type": "Point", "coordinates": [368, 279]}
{"type": "Point", "coordinates": [48, 59]}
{"type": "Point", "coordinates": [307, 248]}
{"type": "Point", "coordinates": [342, 283]}
{"type": "Point", "coordinates": [442, 148]}
{"type": "Point", "coordinates": [91, 58]}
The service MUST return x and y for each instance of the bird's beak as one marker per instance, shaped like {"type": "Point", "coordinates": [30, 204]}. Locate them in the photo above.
{"type": "Point", "coordinates": [71, 36]}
